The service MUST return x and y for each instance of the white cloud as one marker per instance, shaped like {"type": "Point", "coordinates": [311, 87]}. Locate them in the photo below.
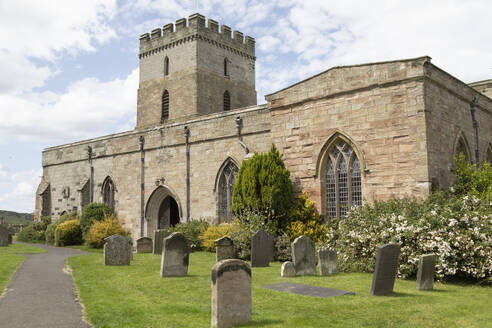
{"type": "Point", "coordinates": [17, 189]}
{"type": "Point", "coordinates": [86, 109]}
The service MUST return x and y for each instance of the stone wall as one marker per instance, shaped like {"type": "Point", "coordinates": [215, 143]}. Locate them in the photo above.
{"type": "Point", "coordinates": [212, 140]}
{"type": "Point", "coordinates": [379, 108]}
{"type": "Point", "coordinates": [448, 117]}
{"type": "Point", "coordinates": [484, 87]}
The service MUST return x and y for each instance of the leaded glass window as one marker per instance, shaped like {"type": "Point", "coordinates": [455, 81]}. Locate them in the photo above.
{"type": "Point", "coordinates": [227, 101]}
{"type": "Point", "coordinates": [226, 187]}
{"type": "Point", "coordinates": [108, 193]}
{"type": "Point", "coordinates": [342, 180]}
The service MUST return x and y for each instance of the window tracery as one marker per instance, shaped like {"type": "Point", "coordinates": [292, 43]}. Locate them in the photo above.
{"type": "Point", "coordinates": [226, 187]}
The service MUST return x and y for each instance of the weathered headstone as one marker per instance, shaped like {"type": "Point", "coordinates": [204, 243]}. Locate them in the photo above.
{"type": "Point", "coordinates": [224, 249]}
{"type": "Point", "coordinates": [303, 256]}
{"type": "Point", "coordinates": [117, 250]}
{"type": "Point", "coordinates": [327, 262]}
{"type": "Point", "coordinates": [4, 235]}
{"type": "Point", "coordinates": [231, 293]}
{"type": "Point", "coordinates": [425, 273]}
{"type": "Point", "coordinates": [288, 269]}
{"type": "Point", "coordinates": [385, 270]}
{"type": "Point", "coordinates": [10, 238]}
{"type": "Point", "coordinates": [159, 236]}
{"type": "Point", "coordinates": [262, 249]}
{"type": "Point", "coordinates": [144, 245]}
{"type": "Point", "coordinates": [175, 255]}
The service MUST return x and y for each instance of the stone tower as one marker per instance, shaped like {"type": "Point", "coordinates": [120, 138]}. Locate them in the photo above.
{"type": "Point", "coordinates": [189, 69]}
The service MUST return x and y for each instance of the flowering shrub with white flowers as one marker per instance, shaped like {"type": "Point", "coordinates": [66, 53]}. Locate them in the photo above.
{"type": "Point", "coordinates": [456, 226]}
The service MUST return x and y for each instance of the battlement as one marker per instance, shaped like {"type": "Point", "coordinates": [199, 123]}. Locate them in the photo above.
{"type": "Point", "coordinates": [194, 28]}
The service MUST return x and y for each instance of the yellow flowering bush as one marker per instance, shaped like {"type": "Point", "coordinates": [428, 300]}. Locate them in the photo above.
{"type": "Point", "coordinates": [215, 232]}
{"type": "Point", "coordinates": [68, 233]}
{"type": "Point", "coordinates": [102, 229]}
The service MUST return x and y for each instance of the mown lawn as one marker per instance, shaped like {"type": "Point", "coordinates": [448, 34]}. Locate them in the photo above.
{"type": "Point", "coordinates": [11, 258]}
{"type": "Point", "coordinates": [136, 296]}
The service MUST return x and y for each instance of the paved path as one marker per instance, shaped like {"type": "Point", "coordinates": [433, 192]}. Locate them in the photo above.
{"type": "Point", "coordinates": [41, 293]}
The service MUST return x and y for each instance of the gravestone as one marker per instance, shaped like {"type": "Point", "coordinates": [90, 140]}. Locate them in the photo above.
{"type": "Point", "coordinates": [288, 269]}
{"type": "Point", "coordinates": [175, 256]}
{"type": "Point", "coordinates": [262, 249]}
{"type": "Point", "coordinates": [425, 274]}
{"type": "Point", "coordinates": [4, 235]}
{"type": "Point", "coordinates": [385, 270]}
{"type": "Point", "coordinates": [224, 249]}
{"type": "Point", "coordinates": [327, 262]}
{"type": "Point", "coordinates": [231, 293]}
{"type": "Point", "coordinates": [159, 236]}
{"type": "Point", "coordinates": [10, 238]}
{"type": "Point", "coordinates": [117, 250]}
{"type": "Point", "coordinates": [144, 245]}
{"type": "Point", "coordinates": [303, 256]}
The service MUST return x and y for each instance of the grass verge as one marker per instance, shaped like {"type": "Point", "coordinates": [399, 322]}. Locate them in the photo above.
{"type": "Point", "coordinates": [135, 296]}
{"type": "Point", "coordinates": [11, 258]}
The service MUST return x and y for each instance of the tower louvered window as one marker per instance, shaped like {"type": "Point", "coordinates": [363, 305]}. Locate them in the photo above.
{"type": "Point", "coordinates": [165, 106]}
{"type": "Point", "coordinates": [342, 180]}
{"type": "Point", "coordinates": [227, 101]}
{"type": "Point", "coordinates": [226, 73]}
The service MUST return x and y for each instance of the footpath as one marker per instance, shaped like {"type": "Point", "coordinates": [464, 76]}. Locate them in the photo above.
{"type": "Point", "coordinates": [41, 293]}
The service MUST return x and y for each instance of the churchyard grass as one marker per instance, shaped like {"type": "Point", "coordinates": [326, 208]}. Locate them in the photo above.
{"type": "Point", "coordinates": [135, 296]}
{"type": "Point", "coordinates": [11, 258]}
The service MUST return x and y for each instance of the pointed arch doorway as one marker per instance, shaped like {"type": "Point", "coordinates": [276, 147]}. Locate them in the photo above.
{"type": "Point", "coordinates": [163, 210]}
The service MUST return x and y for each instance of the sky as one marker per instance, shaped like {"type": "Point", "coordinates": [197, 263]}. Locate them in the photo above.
{"type": "Point", "coordinates": [69, 69]}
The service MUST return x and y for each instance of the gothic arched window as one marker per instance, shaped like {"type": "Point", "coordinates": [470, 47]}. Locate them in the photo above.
{"type": "Point", "coordinates": [226, 73]}
{"type": "Point", "coordinates": [46, 202]}
{"type": "Point", "coordinates": [227, 101]}
{"type": "Point", "coordinates": [227, 180]}
{"type": "Point", "coordinates": [461, 148]}
{"type": "Point", "coordinates": [165, 106]}
{"type": "Point", "coordinates": [342, 180]}
{"type": "Point", "coordinates": [166, 66]}
{"type": "Point", "coordinates": [488, 155]}
{"type": "Point", "coordinates": [85, 195]}
{"type": "Point", "coordinates": [108, 192]}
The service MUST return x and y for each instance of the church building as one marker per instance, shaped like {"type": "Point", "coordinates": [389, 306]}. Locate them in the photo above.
{"type": "Point", "coordinates": [348, 135]}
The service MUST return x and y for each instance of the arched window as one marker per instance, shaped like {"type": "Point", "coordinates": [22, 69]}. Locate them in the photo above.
{"type": "Point", "coordinates": [165, 106]}
{"type": "Point", "coordinates": [226, 73]}
{"type": "Point", "coordinates": [461, 148]}
{"type": "Point", "coordinates": [227, 101]}
{"type": "Point", "coordinates": [227, 180]}
{"type": "Point", "coordinates": [108, 192]}
{"type": "Point", "coordinates": [342, 180]}
{"type": "Point", "coordinates": [488, 155]}
{"type": "Point", "coordinates": [85, 195]}
{"type": "Point", "coordinates": [166, 66]}
{"type": "Point", "coordinates": [46, 202]}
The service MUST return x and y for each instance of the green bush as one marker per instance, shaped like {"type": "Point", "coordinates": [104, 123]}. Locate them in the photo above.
{"type": "Point", "coordinates": [245, 227]}
{"type": "Point", "coordinates": [215, 232]}
{"type": "Point", "coordinates": [263, 185]}
{"type": "Point", "coordinates": [68, 233]}
{"type": "Point", "coordinates": [93, 212]}
{"type": "Point", "coordinates": [471, 180]}
{"type": "Point", "coordinates": [191, 230]}
{"type": "Point", "coordinates": [101, 229]}
{"type": "Point", "coordinates": [30, 234]}
{"type": "Point", "coordinates": [50, 229]}
{"type": "Point", "coordinates": [283, 249]}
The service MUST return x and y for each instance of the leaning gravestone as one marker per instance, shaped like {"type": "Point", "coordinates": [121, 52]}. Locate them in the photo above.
{"type": "Point", "coordinates": [159, 236]}
{"type": "Point", "coordinates": [327, 262]}
{"type": "Point", "coordinates": [303, 256]}
{"type": "Point", "coordinates": [231, 293]}
{"type": "Point", "coordinates": [117, 250]}
{"type": "Point", "coordinates": [4, 235]}
{"type": "Point", "coordinates": [144, 245]}
{"type": "Point", "coordinates": [425, 274]}
{"type": "Point", "coordinates": [224, 249]}
{"type": "Point", "coordinates": [175, 255]}
{"type": "Point", "coordinates": [262, 249]}
{"type": "Point", "coordinates": [288, 270]}
{"type": "Point", "coordinates": [385, 269]}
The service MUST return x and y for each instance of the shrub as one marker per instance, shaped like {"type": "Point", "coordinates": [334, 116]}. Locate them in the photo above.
{"type": "Point", "coordinates": [471, 180]}
{"type": "Point", "coordinates": [68, 233]}
{"type": "Point", "coordinates": [50, 229]}
{"type": "Point", "coordinates": [93, 212]}
{"type": "Point", "coordinates": [192, 230]}
{"type": "Point", "coordinates": [246, 226]}
{"type": "Point", "coordinates": [263, 185]}
{"type": "Point", "coordinates": [101, 229]}
{"type": "Point", "coordinates": [30, 234]}
{"type": "Point", "coordinates": [283, 249]}
{"type": "Point", "coordinates": [215, 232]}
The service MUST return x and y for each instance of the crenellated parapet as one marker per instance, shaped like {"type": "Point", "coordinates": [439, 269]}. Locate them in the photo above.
{"type": "Point", "coordinates": [192, 29]}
